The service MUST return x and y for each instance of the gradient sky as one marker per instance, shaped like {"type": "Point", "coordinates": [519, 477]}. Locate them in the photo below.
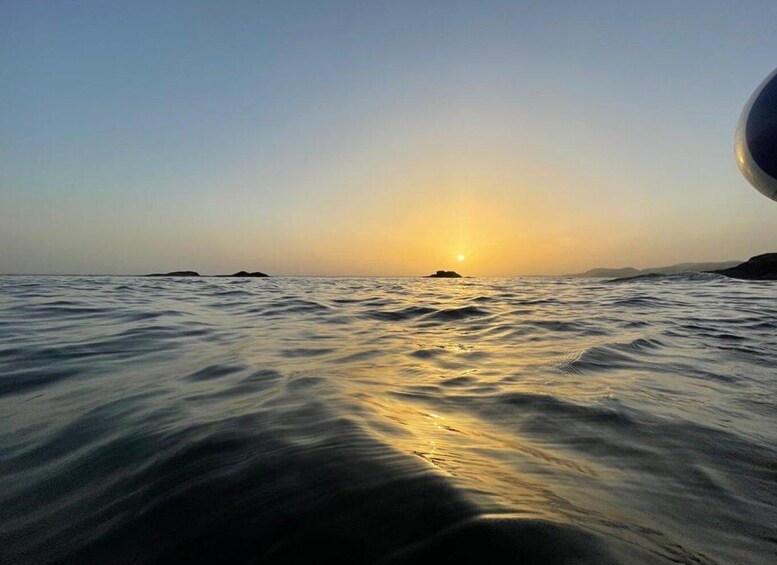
{"type": "Point", "coordinates": [377, 137]}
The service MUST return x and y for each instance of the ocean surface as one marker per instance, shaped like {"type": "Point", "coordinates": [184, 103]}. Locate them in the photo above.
{"type": "Point", "coordinates": [388, 420]}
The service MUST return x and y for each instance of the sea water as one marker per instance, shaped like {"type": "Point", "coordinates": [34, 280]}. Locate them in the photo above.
{"type": "Point", "coordinates": [392, 420]}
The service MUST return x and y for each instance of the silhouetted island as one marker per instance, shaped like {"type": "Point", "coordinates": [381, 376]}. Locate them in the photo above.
{"type": "Point", "coordinates": [196, 274]}
{"type": "Point", "coordinates": [758, 268]}
{"type": "Point", "coordinates": [445, 275]}
{"type": "Point", "coordinates": [176, 274]}
{"type": "Point", "coordinates": [247, 274]}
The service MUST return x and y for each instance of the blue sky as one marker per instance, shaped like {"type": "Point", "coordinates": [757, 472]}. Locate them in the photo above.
{"type": "Point", "coordinates": [377, 137]}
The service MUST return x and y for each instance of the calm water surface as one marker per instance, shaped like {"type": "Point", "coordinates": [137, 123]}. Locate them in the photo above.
{"type": "Point", "coordinates": [388, 420]}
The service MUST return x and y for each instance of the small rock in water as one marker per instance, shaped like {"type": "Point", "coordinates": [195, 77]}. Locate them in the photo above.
{"type": "Point", "coordinates": [446, 275]}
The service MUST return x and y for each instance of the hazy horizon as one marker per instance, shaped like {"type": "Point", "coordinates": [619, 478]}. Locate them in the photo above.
{"type": "Point", "coordinates": [359, 275]}
{"type": "Point", "coordinates": [297, 138]}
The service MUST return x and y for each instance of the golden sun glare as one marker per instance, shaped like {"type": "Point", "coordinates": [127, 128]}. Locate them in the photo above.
{"type": "Point", "coordinates": [460, 257]}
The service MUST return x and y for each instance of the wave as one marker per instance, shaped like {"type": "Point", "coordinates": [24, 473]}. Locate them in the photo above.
{"type": "Point", "coordinates": [676, 277]}
{"type": "Point", "coordinates": [399, 315]}
{"type": "Point", "coordinates": [461, 313]}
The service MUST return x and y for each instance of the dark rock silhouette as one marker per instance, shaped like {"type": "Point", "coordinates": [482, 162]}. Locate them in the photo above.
{"type": "Point", "coordinates": [445, 275]}
{"type": "Point", "coordinates": [176, 274]}
{"type": "Point", "coordinates": [758, 268]}
{"type": "Point", "coordinates": [247, 274]}
{"type": "Point", "coordinates": [196, 274]}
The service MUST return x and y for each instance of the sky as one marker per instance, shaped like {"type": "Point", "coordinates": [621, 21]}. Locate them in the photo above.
{"type": "Point", "coordinates": [377, 138]}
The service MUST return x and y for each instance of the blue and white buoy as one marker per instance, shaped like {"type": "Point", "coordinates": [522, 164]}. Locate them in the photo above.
{"type": "Point", "coordinates": [756, 138]}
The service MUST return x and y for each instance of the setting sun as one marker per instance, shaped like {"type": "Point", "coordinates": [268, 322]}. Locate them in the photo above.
{"type": "Point", "coordinates": [460, 257]}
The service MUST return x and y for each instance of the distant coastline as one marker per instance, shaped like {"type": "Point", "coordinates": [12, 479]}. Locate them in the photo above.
{"type": "Point", "coordinates": [760, 267]}
{"type": "Point", "coordinates": [623, 272]}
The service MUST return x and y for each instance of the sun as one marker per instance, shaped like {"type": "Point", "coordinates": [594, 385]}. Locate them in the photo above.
{"type": "Point", "coordinates": [460, 257]}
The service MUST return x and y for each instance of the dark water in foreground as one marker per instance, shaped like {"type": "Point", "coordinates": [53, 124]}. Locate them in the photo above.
{"type": "Point", "coordinates": [387, 420]}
